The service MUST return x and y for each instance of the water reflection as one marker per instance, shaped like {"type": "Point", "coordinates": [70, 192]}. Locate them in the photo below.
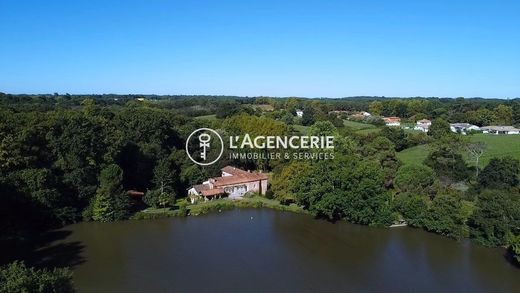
{"type": "Point", "coordinates": [264, 250]}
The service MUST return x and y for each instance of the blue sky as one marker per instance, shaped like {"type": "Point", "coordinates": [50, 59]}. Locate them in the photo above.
{"type": "Point", "coordinates": [275, 48]}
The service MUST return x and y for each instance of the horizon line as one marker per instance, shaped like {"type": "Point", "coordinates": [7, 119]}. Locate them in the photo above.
{"type": "Point", "coordinates": [259, 96]}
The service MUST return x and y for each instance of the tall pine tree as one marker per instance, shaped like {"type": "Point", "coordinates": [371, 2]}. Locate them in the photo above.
{"type": "Point", "coordinates": [110, 203]}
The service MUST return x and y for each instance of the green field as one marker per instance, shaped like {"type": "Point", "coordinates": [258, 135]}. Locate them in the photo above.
{"type": "Point", "coordinates": [301, 129]}
{"type": "Point", "coordinates": [368, 131]}
{"type": "Point", "coordinates": [415, 155]}
{"type": "Point", "coordinates": [358, 125]}
{"type": "Point", "coordinates": [496, 146]}
{"type": "Point", "coordinates": [207, 117]}
{"type": "Point", "coordinates": [499, 146]}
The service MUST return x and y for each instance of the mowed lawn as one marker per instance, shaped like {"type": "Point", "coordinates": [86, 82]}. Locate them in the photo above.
{"type": "Point", "coordinates": [499, 146]}
{"type": "Point", "coordinates": [301, 129]}
{"type": "Point", "coordinates": [207, 117]}
{"type": "Point", "coordinates": [496, 146]}
{"type": "Point", "coordinates": [414, 155]}
{"type": "Point", "coordinates": [358, 125]}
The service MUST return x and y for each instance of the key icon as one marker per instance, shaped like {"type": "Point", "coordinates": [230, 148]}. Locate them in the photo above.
{"type": "Point", "coordinates": [204, 144]}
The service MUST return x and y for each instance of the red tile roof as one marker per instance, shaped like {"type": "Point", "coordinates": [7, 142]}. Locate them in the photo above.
{"type": "Point", "coordinates": [135, 193]}
{"type": "Point", "coordinates": [212, 192]}
{"type": "Point", "coordinates": [233, 170]}
{"type": "Point", "coordinates": [238, 176]}
{"type": "Point", "coordinates": [392, 119]}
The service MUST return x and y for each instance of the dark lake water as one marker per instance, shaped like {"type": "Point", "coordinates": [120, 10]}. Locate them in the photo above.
{"type": "Point", "coordinates": [260, 250]}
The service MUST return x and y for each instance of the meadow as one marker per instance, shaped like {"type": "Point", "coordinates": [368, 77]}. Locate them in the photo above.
{"type": "Point", "coordinates": [496, 146]}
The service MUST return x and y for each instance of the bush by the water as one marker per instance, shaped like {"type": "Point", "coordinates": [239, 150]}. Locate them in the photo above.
{"type": "Point", "coordinates": [17, 277]}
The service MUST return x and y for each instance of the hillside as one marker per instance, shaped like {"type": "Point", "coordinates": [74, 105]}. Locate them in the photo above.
{"type": "Point", "coordinates": [497, 146]}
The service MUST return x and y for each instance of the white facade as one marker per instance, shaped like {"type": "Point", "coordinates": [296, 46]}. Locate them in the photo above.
{"type": "Point", "coordinates": [500, 130]}
{"type": "Point", "coordinates": [423, 128]}
{"type": "Point", "coordinates": [463, 128]}
{"type": "Point", "coordinates": [299, 113]}
{"type": "Point", "coordinates": [423, 125]}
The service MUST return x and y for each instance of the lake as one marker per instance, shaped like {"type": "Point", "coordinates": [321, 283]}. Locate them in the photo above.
{"type": "Point", "coordinates": [261, 250]}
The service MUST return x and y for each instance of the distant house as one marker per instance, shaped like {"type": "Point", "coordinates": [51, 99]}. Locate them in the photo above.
{"type": "Point", "coordinates": [500, 130]}
{"type": "Point", "coordinates": [463, 127]}
{"type": "Point", "coordinates": [392, 121]}
{"type": "Point", "coordinates": [233, 183]}
{"type": "Point", "coordinates": [338, 112]}
{"type": "Point", "coordinates": [299, 113]}
{"type": "Point", "coordinates": [360, 115]}
{"type": "Point", "coordinates": [135, 193]}
{"type": "Point", "coordinates": [423, 125]}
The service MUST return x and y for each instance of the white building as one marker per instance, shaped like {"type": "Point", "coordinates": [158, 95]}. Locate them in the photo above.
{"type": "Point", "coordinates": [500, 130]}
{"type": "Point", "coordinates": [463, 128]}
{"type": "Point", "coordinates": [366, 114]}
{"type": "Point", "coordinates": [299, 113]}
{"type": "Point", "coordinates": [423, 125]}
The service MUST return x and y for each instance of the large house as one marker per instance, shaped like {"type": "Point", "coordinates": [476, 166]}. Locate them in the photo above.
{"type": "Point", "coordinates": [463, 127]}
{"type": "Point", "coordinates": [423, 125]}
{"type": "Point", "coordinates": [392, 121]}
{"type": "Point", "coordinates": [299, 113]}
{"type": "Point", "coordinates": [233, 183]}
{"type": "Point", "coordinates": [500, 130]}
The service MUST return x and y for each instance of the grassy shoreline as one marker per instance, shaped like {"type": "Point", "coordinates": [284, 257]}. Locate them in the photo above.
{"type": "Point", "coordinates": [217, 205]}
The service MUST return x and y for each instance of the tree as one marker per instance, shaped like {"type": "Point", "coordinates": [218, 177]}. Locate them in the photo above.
{"type": "Point", "coordinates": [396, 135]}
{"type": "Point", "coordinates": [323, 128]}
{"type": "Point", "coordinates": [288, 118]}
{"type": "Point", "coordinates": [281, 181]}
{"type": "Point", "coordinates": [164, 176]}
{"type": "Point", "coordinates": [17, 277]}
{"type": "Point", "coordinates": [496, 215]}
{"type": "Point", "coordinates": [500, 173]}
{"type": "Point", "coordinates": [347, 187]}
{"type": "Point", "coordinates": [504, 114]}
{"type": "Point", "coordinates": [383, 150]}
{"type": "Point", "coordinates": [446, 159]}
{"type": "Point", "coordinates": [110, 203]}
{"type": "Point", "coordinates": [414, 178]}
{"type": "Point", "coordinates": [481, 117]}
{"type": "Point", "coordinates": [227, 109]}
{"type": "Point", "coordinates": [163, 193]}
{"type": "Point", "coordinates": [413, 208]}
{"type": "Point", "coordinates": [308, 116]}
{"type": "Point", "coordinates": [446, 216]}
{"type": "Point", "coordinates": [376, 108]}
{"type": "Point", "coordinates": [152, 198]}
{"type": "Point", "coordinates": [439, 128]}
{"type": "Point", "coordinates": [476, 150]}
{"type": "Point", "coordinates": [514, 246]}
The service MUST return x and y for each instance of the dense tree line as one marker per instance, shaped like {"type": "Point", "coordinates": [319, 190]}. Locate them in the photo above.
{"type": "Point", "coordinates": [69, 158]}
{"type": "Point", "coordinates": [443, 194]}
{"type": "Point", "coordinates": [65, 164]}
